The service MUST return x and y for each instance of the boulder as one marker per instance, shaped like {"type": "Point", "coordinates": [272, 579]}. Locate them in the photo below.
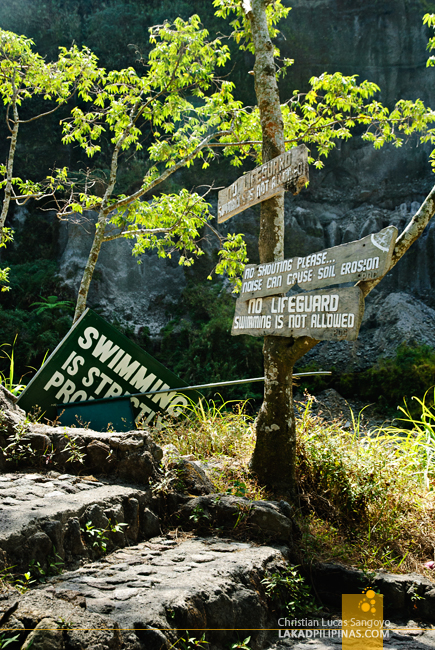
{"type": "Point", "coordinates": [264, 519]}
{"type": "Point", "coordinates": [11, 415]}
{"type": "Point", "coordinates": [404, 594]}
{"type": "Point", "coordinates": [8, 401]}
{"type": "Point", "coordinates": [193, 477]}
{"type": "Point", "coordinates": [98, 453]}
{"type": "Point", "coordinates": [45, 636]}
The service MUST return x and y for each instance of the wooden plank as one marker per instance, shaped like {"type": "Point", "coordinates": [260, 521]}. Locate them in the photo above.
{"type": "Point", "coordinates": [326, 315]}
{"type": "Point", "coordinates": [289, 171]}
{"type": "Point", "coordinates": [364, 259]}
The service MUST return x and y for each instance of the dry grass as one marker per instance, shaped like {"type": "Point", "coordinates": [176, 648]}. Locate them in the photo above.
{"type": "Point", "coordinates": [223, 434]}
{"type": "Point", "coordinates": [367, 500]}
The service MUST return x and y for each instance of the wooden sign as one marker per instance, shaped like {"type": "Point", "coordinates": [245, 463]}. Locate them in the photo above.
{"type": "Point", "coordinates": [289, 171]}
{"type": "Point", "coordinates": [365, 259]}
{"type": "Point", "coordinates": [96, 361]}
{"type": "Point", "coordinates": [326, 315]}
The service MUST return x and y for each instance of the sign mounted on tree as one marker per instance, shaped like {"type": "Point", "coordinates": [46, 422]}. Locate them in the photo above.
{"type": "Point", "coordinates": [96, 361]}
{"type": "Point", "coordinates": [325, 315]}
{"type": "Point", "coordinates": [365, 259]}
{"type": "Point", "coordinates": [289, 171]}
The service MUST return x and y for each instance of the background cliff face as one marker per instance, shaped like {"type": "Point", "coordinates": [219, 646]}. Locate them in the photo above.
{"type": "Point", "coordinates": [359, 191]}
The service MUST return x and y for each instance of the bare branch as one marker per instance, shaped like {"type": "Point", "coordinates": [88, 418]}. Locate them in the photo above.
{"type": "Point", "coordinates": [181, 163]}
{"type": "Point", "coordinates": [36, 117]}
{"type": "Point", "coordinates": [405, 240]}
{"type": "Point", "coordinates": [218, 235]}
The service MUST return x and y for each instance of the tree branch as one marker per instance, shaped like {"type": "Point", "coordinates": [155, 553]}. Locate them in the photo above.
{"type": "Point", "coordinates": [181, 163]}
{"type": "Point", "coordinates": [36, 117]}
{"type": "Point", "coordinates": [405, 240]}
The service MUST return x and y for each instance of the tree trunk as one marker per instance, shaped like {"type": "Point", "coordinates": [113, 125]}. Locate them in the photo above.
{"type": "Point", "coordinates": [274, 456]}
{"type": "Point", "coordinates": [90, 267]}
{"type": "Point", "coordinates": [9, 168]}
{"type": "Point", "coordinates": [100, 230]}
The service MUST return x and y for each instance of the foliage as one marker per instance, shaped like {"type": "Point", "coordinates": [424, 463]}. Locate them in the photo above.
{"type": "Point", "coordinates": [290, 588]}
{"type": "Point", "coordinates": [367, 499]}
{"type": "Point", "coordinates": [329, 112]}
{"type": "Point", "coordinates": [242, 645]}
{"type": "Point", "coordinates": [39, 573]}
{"type": "Point", "coordinates": [197, 344]}
{"type": "Point", "coordinates": [409, 372]}
{"type": "Point", "coordinates": [74, 451]}
{"type": "Point", "coordinates": [199, 515]}
{"type": "Point", "coordinates": [173, 106]}
{"type": "Point", "coordinates": [429, 20]}
{"type": "Point", "coordinates": [168, 481]}
{"type": "Point", "coordinates": [5, 641]}
{"type": "Point", "coordinates": [4, 272]}
{"type": "Point", "coordinates": [51, 303]}
{"type": "Point", "coordinates": [209, 431]}
{"type": "Point", "coordinates": [36, 334]}
{"type": "Point", "coordinates": [241, 25]}
{"type": "Point", "coordinates": [24, 76]}
{"type": "Point", "coordinates": [98, 537]}
{"type": "Point", "coordinates": [8, 379]}
{"type": "Point", "coordinates": [191, 642]}
{"type": "Point", "coordinates": [422, 435]}
{"type": "Point", "coordinates": [17, 450]}
{"type": "Point", "coordinates": [35, 573]}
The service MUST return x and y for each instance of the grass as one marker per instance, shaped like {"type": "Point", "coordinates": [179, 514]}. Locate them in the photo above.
{"type": "Point", "coordinates": [366, 499]}
{"type": "Point", "coordinates": [223, 434]}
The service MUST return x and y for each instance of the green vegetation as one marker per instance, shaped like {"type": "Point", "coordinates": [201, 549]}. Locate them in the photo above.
{"type": "Point", "coordinates": [367, 500]}
{"type": "Point", "coordinates": [385, 384]}
{"type": "Point", "coordinates": [39, 573]}
{"type": "Point", "coordinates": [34, 334]}
{"type": "Point", "coordinates": [98, 537]}
{"type": "Point", "coordinates": [212, 431]}
{"type": "Point", "coordinates": [7, 377]}
{"type": "Point", "coordinates": [20, 451]}
{"type": "Point", "coordinates": [7, 640]}
{"type": "Point", "coordinates": [409, 373]}
{"type": "Point", "coordinates": [36, 573]}
{"type": "Point", "coordinates": [289, 588]}
{"type": "Point", "coordinates": [197, 344]}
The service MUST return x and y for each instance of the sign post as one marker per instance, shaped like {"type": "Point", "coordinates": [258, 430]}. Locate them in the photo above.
{"type": "Point", "coordinates": [289, 171]}
{"type": "Point", "coordinates": [95, 361]}
{"type": "Point", "coordinates": [365, 259]}
{"type": "Point", "coordinates": [325, 315]}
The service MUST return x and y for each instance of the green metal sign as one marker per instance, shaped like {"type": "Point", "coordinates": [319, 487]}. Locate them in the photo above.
{"type": "Point", "coordinates": [95, 361]}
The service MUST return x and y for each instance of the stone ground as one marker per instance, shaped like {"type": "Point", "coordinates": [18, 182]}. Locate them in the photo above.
{"type": "Point", "coordinates": [147, 554]}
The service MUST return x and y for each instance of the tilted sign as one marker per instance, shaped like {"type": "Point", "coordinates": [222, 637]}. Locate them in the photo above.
{"type": "Point", "coordinates": [289, 171]}
{"type": "Point", "coordinates": [365, 259]}
{"type": "Point", "coordinates": [96, 361]}
{"type": "Point", "coordinates": [325, 315]}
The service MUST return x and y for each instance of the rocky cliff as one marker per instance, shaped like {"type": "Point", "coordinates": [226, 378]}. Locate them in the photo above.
{"type": "Point", "coordinates": [359, 191]}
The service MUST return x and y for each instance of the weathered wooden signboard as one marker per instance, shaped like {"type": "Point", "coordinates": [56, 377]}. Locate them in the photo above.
{"type": "Point", "coordinates": [289, 171]}
{"type": "Point", "coordinates": [365, 259]}
{"type": "Point", "coordinates": [96, 361]}
{"type": "Point", "coordinates": [325, 315]}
